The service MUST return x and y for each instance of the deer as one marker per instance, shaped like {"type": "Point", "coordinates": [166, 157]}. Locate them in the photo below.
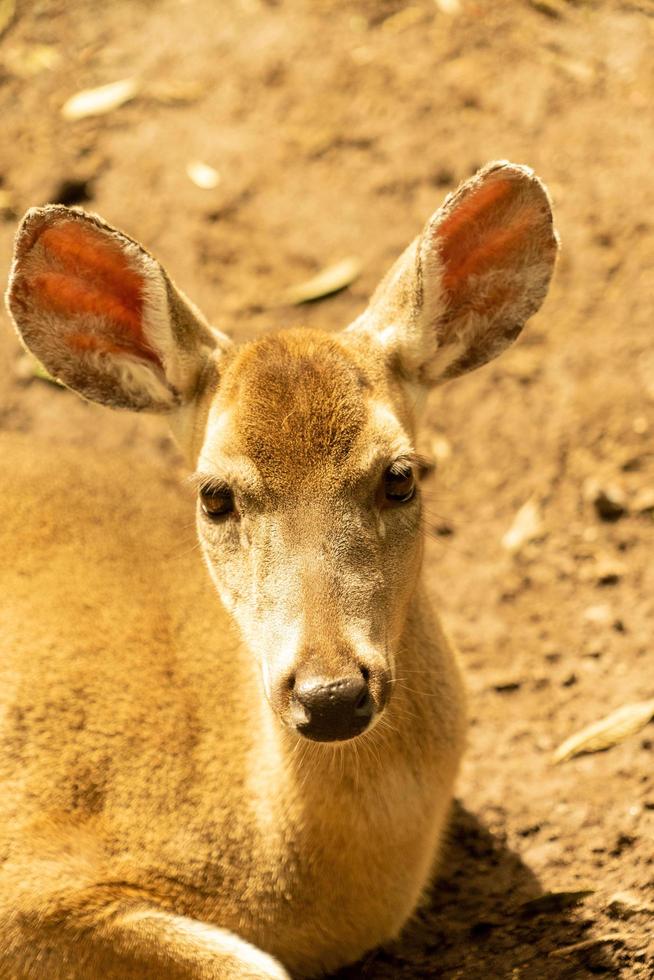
{"type": "Point", "coordinates": [239, 764]}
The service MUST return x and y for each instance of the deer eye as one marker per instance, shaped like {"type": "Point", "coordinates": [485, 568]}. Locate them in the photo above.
{"type": "Point", "coordinates": [216, 502]}
{"type": "Point", "coordinates": [399, 483]}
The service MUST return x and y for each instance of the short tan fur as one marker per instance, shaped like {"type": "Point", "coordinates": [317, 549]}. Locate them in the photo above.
{"type": "Point", "coordinates": [245, 773]}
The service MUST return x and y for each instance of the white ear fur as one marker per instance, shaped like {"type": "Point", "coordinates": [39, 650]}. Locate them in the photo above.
{"type": "Point", "coordinates": [102, 316]}
{"type": "Point", "coordinates": [463, 290]}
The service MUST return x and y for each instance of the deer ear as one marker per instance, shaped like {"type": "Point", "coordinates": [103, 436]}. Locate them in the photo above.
{"type": "Point", "coordinates": [101, 314]}
{"type": "Point", "coordinates": [464, 289]}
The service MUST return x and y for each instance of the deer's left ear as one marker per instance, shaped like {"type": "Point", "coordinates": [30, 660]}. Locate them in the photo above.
{"type": "Point", "coordinates": [463, 290]}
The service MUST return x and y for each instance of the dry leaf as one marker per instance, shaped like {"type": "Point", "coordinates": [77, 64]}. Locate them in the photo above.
{"type": "Point", "coordinates": [27, 60]}
{"type": "Point", "coordinates": [608, 731]}
{"type": "Point", "coordinates": [202, 175]}
{"type": "Point", "coordinates": [97, 101]}
{"type": "Point", "coordinates": [579, 71]}
{"type": "Point", "coordinates": [506, 685]}
{"type": "Point", "coordinates": [448, 6]}
{"type": "Point", "coordinates": [330, 280]}
{"type": "Point", "coordinates": [362, 55]}
{"type": "Point", "coordinates": [174, 92]}
{"type": "Point", "coordinates": [7, 11]}
{"type": "Point", "coordinates": [550, 8]}
{"type": "Point", "coordinates": [643, 502]}
{"type": "Point", "coordinates": [527, 525]}
{"type": "Point", "coordinates": [625, 904]}
{"type": "Point", "coordinates": [607, 570]}
{"type": "Point", "coordinates": [403, 19]}
{"type": "Point", "coordinates": [588, 944]}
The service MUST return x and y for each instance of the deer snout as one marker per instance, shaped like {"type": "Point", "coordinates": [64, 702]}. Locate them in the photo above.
{"type": "Point", "coordinates": [331, 710]}
{"type": "Point", "coordinates": [327, 707]}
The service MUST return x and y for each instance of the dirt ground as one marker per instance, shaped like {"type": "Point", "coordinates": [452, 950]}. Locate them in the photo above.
{"type": "Point", "coordinates": [336, 129]}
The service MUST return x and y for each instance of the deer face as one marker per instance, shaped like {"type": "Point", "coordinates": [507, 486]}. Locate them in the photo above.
{"type": "Point", "coordinates": [308, 504]}
{"type": "Point", "coordinates": [309, 517]}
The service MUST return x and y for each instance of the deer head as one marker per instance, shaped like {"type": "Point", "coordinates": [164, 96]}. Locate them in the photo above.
{"type": "Point", "coordinates": [303, 442]}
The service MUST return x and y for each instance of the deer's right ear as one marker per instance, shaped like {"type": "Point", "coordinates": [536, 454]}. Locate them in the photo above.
{"type": "Point", "coordinates": [464, 289]}
{"type": "Point", "coordinates": [101, 314]}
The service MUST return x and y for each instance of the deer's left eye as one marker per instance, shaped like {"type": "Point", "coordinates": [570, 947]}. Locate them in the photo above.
{"type": "Point", "coordinates": [399, 484]}
{"type": "Point", "coordinates": [216, 502]}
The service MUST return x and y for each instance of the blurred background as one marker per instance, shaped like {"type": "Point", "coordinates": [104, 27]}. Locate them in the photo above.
{"type": "Point", "coordinates": [253, 144]}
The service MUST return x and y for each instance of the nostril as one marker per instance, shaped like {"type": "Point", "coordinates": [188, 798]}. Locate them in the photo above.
{"type": "Point", "coordinates": [364, 705]}
{"type": "Point", "coordinates": [361, 700]}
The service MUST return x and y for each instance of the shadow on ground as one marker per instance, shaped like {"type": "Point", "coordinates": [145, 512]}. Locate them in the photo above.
{"type": "Point", "coordinates": [479, 921]}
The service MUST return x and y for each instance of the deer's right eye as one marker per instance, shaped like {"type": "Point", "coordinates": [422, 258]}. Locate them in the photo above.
{"type": "Point", "coordinates": [216, 502]}
{"type": "Point", "coordinates": [399, 484]}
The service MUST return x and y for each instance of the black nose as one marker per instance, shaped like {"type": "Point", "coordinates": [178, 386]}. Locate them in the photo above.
{"type": "Point", "coordinates": [331, 710]}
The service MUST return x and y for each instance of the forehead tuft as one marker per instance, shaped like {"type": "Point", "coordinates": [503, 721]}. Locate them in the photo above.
{"type": "Point", "coordinates": [299, 398]}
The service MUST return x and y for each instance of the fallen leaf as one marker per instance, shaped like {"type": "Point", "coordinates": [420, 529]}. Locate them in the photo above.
{"type": "Point", "coordinates": [506, 685]}
{"type": "Point", "coordinates": [202, 175]}
{"type": "Point", "coordinates": [579, 71]}
{"type": "Point", "coordinates": [633, 462]}
{"type": "Point", "coordinates": [527, 525]}
{"type": "Point", "coordinates": [27, 60]}
{"type": "Point", "coordinates": [174, 92]}
{"type": "Point", "coordinates": [603, 569]}
{"type": "Point", "coordinates": [98, 101]}
{"type": "Point", "coordinates": [362, 55]}
{"type": "Point", "coordinates": [550, 8]}
{"type": "Point", "coordinates": [7, 11]}
{"type": "Point", "coordinates": [608, 570]}
{"type": "Point", "coordinates": [403, 19]}
{"type": "Point", "coordinates": [608, 731]}
{"type": "Point", "coordinates": [328, 281]}
{"type": "Point", "coordinates": [625, 904]}
{"type": "Point", "coordinates": [643, 502]}
{"type": "Point", "coordinates": [588, 944]}
{"type": "Point", "coordinates": [448, 6]}
{"type": "Point", "coordinates": [554, 901]}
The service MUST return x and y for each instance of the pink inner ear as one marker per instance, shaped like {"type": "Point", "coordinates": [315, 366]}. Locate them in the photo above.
{"type": "Point", "coordinates": [79, 270]}
{"type": "Point", "coordinates": [487, 230]}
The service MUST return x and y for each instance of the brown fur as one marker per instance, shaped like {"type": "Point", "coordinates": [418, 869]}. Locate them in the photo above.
{"type": "Point", "coordinates": [300, 397]}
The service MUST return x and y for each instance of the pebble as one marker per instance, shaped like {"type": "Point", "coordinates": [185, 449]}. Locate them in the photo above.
{"type": "Point", "coordinates": [601, 615]}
